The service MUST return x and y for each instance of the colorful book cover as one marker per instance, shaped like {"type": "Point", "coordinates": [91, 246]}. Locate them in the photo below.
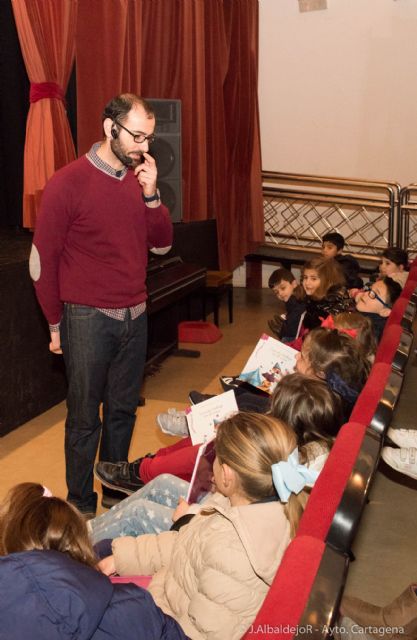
{"type": "Point", "coordinates": [270, 361]}
{"type": "Point", "coordinates": [203, 417]}
{"type": "Point", "coordinates": [202, 479]}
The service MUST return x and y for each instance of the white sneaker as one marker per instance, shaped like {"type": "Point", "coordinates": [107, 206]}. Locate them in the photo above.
{"type": "Point", "coordinates": [173, 422]}
{"type": "Point", "coordinates": [403, 460]}
{"type": "Point", "coordinates": [403, 437]}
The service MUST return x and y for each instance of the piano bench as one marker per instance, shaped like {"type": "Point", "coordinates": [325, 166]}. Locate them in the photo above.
{"type": "Point", "coordinates": [218, 283]}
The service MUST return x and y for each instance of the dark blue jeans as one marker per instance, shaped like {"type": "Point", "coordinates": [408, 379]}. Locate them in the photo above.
{"type": "Point", "coordinates": [104, 360]}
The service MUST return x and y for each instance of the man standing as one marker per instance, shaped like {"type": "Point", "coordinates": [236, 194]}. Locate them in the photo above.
{"type": "Point", "coordinates": [99, 216]}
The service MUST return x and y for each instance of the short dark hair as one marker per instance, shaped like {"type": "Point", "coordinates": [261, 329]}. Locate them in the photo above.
{"type": "Point", "coordinates": [119, 107]}
{"type": "Point", "coordinates": [335, 238]}
{"type": "Point", "coordinates": [396, 255]}
{"type": "Point", "coordinates": [394, 290]}
{"type": "Point", "coordinates": [278, 275]}
{"type": "Point", "coordinates": [286, 275]}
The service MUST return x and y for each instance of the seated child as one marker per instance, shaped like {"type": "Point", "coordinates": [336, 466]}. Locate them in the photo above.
{"type": "Point", "coordinates": [358, 326]}
{"type": "Point", "coordinates": [335, 358]}
{"type": "Point", "coordinates": [306, 405]}
{"type": "Point", "coordinates": [332, 247]}
{"type": "Point", "coordinates": [339, 353]}
{"type": "Point", "coordinates": [213, 574]}
{"type": "Point", "coordinates": [376, 301]}
{"type": "Point", "coordinates": [49, 585]}
{"type": "Point", "coordinates": [394, 263]}
{"type": "Point", "coordinates": [287, 289]}
{"type": "Point", "coordinates": [324, 284]}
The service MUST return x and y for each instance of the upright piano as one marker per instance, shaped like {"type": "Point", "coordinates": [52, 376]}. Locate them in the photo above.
{"type": "Point", "coordinates": [170, 283]}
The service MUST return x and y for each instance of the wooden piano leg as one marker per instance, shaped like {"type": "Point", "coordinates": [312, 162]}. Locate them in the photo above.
{"type": "Point", "coordinates": [230, 302]}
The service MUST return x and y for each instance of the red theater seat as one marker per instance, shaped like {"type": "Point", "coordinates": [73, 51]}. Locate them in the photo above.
{"type": "Point", "coordinates": [330, 485]}
{"type": "Point", "coordinates": [413, 273]}
{"type": "Point", "coordinates": [403, 313]}
{"type": "Point", "coordinates": [376, 402]}
{"type": "Point", "coordinates": [349, 511]}
{"type": "Point", "coordinates": [389, 343]}
{"type": "Point", "coordinates": [395, 347]}
{"type": "Point", "coordinates": [304, 598]}
{"type": "Point", "coordinates": [409, 289]}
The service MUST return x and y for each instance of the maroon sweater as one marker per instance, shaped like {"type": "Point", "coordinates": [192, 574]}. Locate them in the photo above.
{"type": "Point", "coordinates": [93, 235]}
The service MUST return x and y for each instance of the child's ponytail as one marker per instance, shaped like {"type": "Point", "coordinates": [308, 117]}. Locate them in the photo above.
{"type": "Point", "coordinates": [263, 452]}
{"type": "Point", "coordinates": [294, 510]}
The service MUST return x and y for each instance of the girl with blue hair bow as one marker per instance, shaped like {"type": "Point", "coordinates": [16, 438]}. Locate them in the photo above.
{"type": "Point", "coordinates": [304, 403]}
{"type": "Point", "coordinates": [213, 575]}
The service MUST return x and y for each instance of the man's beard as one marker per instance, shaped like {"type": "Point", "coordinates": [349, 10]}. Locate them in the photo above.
{"type": "Point", "coordinates": [128, 161]}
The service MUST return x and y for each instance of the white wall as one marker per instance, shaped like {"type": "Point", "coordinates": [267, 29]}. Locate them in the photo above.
{"type": "Point", "coordinates": [338, 88]}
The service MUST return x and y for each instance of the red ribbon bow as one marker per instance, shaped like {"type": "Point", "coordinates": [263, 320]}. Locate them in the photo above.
{"type": "Point", "coordinates": [328, 323]}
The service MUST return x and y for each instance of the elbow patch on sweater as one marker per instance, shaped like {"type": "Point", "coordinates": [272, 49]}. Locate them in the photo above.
{"type": "Point", "coordinates": [34, 264]}
{"type": "Point", "coordinates": [160, 251]}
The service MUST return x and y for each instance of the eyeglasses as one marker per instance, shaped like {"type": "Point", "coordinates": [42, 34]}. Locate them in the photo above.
{"type": "Point", "coordinates": [138, 137]}
{"type": "Point", "coordinates": [374, 296]}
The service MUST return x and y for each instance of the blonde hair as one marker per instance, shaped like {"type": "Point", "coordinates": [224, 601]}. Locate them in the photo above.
{"type": "Point", "coordinates": [250, 443]}
{"type": "Point", "coordinates": [29, 520]}
{"type": "Point", "coordinates": [330, 274]}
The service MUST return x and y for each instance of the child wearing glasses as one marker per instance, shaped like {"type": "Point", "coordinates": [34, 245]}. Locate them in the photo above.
{"type": "Point", "coordinates": [376, 301]}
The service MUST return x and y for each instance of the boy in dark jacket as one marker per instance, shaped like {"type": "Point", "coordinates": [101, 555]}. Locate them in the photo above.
{"type": "Point", "coordinates": [286, 325]}
{"type": "Point", "coordinates": [332, 247]}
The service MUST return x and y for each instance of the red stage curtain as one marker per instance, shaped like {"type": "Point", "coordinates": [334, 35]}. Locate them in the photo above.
{"type": "Point", "coordinates": [46, 30]}
{"type": "Point", "coordinates": [204, 53]}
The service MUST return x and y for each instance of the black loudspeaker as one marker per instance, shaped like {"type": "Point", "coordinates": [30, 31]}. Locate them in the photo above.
{"type": "Point", "coordinates": [167, 153]}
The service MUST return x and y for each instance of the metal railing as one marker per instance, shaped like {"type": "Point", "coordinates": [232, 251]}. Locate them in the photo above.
{"type": "Point", "coordinates": [300, 209]}
{"type": "Point", "coordinates": [408, 219]}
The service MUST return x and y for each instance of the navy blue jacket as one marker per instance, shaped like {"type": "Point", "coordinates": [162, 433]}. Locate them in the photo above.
{"type": "Point", "coordinates": [45, 595]}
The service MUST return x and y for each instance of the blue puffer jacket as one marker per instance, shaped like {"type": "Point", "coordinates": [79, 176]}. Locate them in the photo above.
{"type": "Point", "coordinates": [44, 595]}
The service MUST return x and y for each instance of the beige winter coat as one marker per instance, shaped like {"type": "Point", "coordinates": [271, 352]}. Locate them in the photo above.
{"type": "Point", "coordinates": [213, 575]}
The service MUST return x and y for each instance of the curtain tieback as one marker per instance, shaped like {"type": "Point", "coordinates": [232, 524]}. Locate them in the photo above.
{"type": "Point", "coordinates": [42, 90]}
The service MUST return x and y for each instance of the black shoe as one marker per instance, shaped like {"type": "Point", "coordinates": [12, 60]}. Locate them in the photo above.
{"type": "Point", "coordinates": [111, 497]}
{"type": "Point", "coordinates": [195, 397]}
{"type": "Point", "coordinates": [121, 476]}
{"type": "Point", "coordinates": [88, 515]}
{"type": "Point", "coordinates": [87, 510]}
{"type": "Point", "coordinates": [230, 382]}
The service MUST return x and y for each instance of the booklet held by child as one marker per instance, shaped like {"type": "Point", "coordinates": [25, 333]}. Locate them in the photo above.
{"type": "Point", "coordinates": [202, 479]}
{"type": "Point", "coordinates": [202, 418]}
{"type": "Point", "coordinates": [270, 361]}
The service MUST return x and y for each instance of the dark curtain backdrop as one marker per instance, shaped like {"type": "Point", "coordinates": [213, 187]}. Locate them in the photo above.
{"type": "Point", "coordinates": [46, 31]}
{"type": "Point", "coordinates": [204, 53]}
{"type": "Point", "coordinates": [14, 106]}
